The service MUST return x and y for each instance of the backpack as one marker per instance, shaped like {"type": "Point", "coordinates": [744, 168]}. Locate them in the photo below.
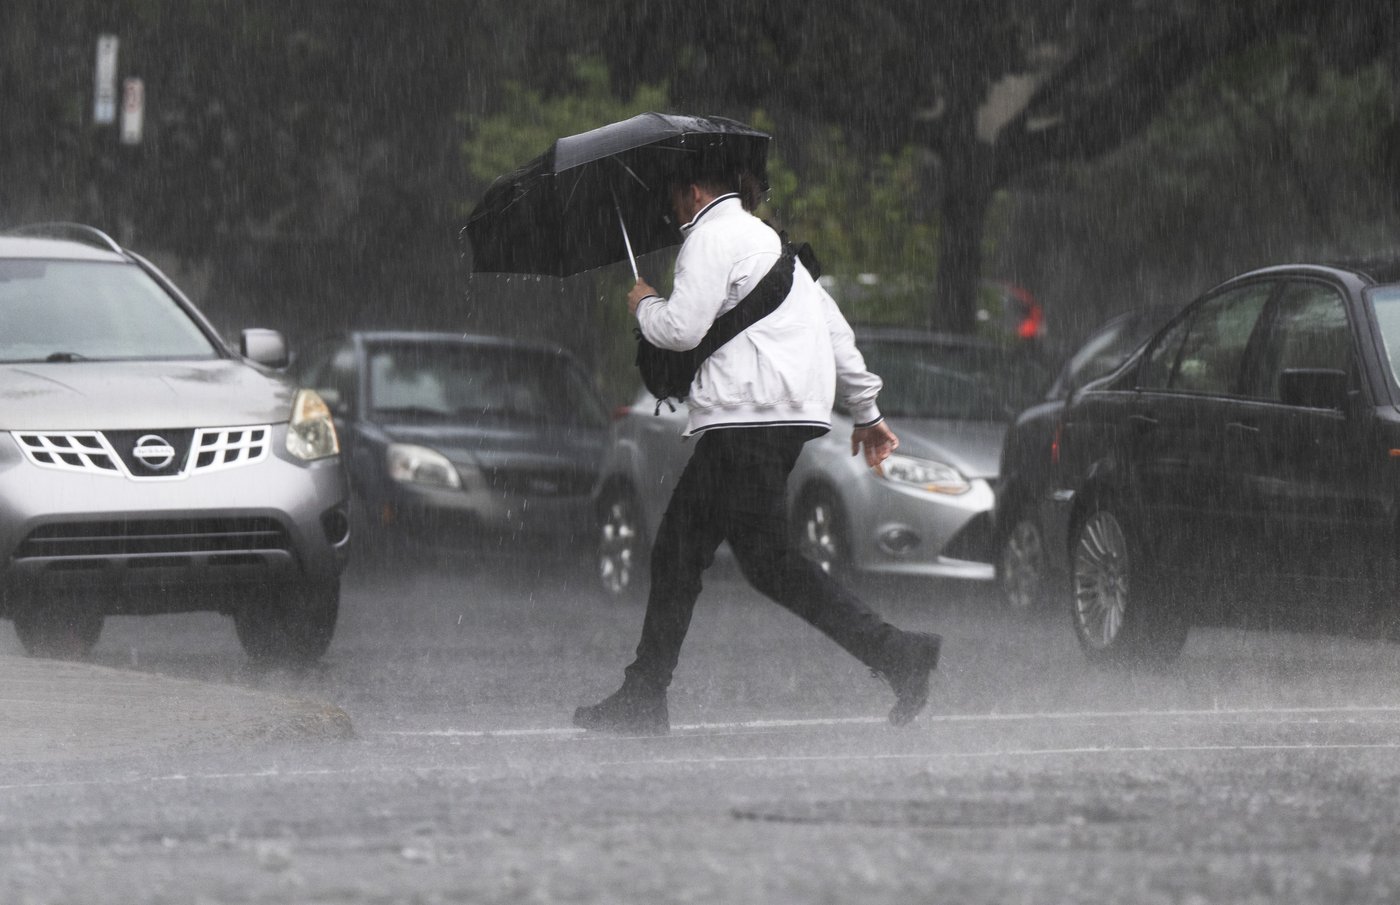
{"type": "Point", "coordinates": [667, 374]}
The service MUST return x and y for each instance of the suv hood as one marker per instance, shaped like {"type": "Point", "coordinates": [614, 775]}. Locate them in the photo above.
{"type": "Point", "coordinates": [108, 395]}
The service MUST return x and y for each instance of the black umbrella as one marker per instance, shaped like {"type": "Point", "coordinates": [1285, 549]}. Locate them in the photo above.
{"type": "Point", "coordinates": [599, 197]}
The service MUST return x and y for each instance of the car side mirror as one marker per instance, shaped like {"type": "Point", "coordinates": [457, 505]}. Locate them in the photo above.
{"type": "Point", "coordinates": [266, 347]}
{"type": "Point", "coordinates": [1319, 388]}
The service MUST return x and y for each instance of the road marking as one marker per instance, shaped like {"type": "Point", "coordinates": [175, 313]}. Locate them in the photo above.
{"type": "Point", "coordinates": [681, 732]}
{"type": "Point", "coordinates": [763, 725]}
{"type": "Point", "coordinates": [999, 753]}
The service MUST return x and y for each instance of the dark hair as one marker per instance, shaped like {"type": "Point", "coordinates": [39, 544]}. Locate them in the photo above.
{"type": "Point", "coordinates": [715, 175]}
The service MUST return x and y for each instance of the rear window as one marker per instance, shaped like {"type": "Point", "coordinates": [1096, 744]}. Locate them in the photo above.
{"type": "Point", "coordinates": [91, 310]}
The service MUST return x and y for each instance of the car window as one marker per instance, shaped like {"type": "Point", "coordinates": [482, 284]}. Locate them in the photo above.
{"type": "Point", "coordinates": [453, 381]}
{"type": "Point", "coordinates": [1203, 352]}
{"type": "Point", "coordinates": [1306, 329]}
{"type": "Point", "coordinates": [1105, 349]}
{"type": "Point", "coordinates": [67, 310]}
{"type": "Point", "coordinates": [966, 383]}
{"type": "Point", "coordinates": [1385, 304]}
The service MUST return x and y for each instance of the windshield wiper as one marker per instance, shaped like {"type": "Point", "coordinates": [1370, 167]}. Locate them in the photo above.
{"type": "Point", "coordinates": [65, 356]}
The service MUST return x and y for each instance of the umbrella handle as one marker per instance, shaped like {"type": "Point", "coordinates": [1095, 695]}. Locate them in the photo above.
{"type": "Point", "coordinates": [626, 239]}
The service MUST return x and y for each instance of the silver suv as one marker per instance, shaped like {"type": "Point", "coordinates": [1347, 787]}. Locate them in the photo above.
{"type": "Point", "coordinates": [145, 467]}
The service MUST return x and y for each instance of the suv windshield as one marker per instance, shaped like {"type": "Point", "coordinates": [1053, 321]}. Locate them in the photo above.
{"type": "Point", "coordinates": [79, 310]}
{"type": "Point", "coordinates": [455, 381]}
{"type": "Point", "coordinates": [962, 383]}
{"type": "Point", "coordinates": [1385, 302]}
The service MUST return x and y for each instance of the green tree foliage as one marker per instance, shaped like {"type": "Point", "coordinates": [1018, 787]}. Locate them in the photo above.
{"type": "Point", "coordinates": [992, 89]}
{"type": "Point", "coordinates": [1271, 155]}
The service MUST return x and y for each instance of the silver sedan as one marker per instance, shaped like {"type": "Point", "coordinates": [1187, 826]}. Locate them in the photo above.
{"type": "Point", "coordinates": [927, 512]}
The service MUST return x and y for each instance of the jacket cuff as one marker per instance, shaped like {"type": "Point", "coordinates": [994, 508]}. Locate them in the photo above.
{"type": "Point", "coordinates": [646, 299]}
{"type": "Point", "coordinates": [866, 415]}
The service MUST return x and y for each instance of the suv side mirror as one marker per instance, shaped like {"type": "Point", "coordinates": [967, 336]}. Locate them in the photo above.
{"type": "Point", "coordinates": [266, 347]}
{"type": "Point", "coordinates": [1319, 388]}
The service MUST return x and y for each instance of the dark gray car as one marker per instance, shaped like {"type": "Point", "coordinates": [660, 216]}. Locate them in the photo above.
{"type": "Point", "coordinates": [145, 467]}
{"type": "Point", "coordinates": [461, 444]}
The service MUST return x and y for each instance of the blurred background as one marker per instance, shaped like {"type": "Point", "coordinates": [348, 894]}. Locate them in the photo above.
{"type": "Point", "coordinates": [1018, 168]}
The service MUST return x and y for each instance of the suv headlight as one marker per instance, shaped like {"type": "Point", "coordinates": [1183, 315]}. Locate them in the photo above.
{"type": "Point", "coordinates": [409, 464]}
{"type": "Point", "coordinates": [311, 432]}
{"type": "Point", "coordinates": [925, 474]}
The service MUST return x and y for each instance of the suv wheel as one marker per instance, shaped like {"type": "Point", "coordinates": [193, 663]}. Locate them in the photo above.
{"type": "Point", "coordinates": [621, 552]}
{"type": "Point", "coordinates": [58, 627]}
{"type": "Point", "coordinates": [1022, 565]}
{"type": "Point", "coordinates": [1118, 610]}
{"type": "Point", "coordinates": [291, 628]}
{"type": "Point", "coordinates": [819, 530]}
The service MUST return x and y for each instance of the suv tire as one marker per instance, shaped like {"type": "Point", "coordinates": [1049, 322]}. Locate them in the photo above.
{"type": "Point", "coordinates": [291, 628]}
{"type": "Point", "coordinates": [60, 627]}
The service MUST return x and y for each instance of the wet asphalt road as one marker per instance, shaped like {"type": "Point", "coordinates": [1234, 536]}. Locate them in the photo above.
{"type": "Point", "coordinates": [1260, 768]}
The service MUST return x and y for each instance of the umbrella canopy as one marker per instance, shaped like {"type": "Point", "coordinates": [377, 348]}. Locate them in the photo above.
{"type": "Point", "coordinates": [559, 214]}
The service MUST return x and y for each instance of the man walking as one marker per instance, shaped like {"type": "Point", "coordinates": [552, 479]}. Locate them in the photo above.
{"type": "Point", "coordinates": [753, 404]}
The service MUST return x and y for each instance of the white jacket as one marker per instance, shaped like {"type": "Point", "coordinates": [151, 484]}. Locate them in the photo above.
{"type": "Point", "coordinates": [785, 369]}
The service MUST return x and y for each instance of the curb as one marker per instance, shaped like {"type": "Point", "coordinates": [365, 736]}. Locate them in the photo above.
{"type": "Point", "coordinates": [62, 710]}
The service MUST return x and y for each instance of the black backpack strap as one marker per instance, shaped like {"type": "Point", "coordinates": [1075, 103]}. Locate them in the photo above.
{"type": "Point", "coordinates": [761, 301]}
{"type": "Point", "coordinates": [668, 374]}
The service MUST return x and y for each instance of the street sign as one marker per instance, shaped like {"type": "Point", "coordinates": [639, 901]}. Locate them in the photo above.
{"type": "Point", "coordinates": [133, 110]}
{"type": "Point", "coordinates": [104, 83]}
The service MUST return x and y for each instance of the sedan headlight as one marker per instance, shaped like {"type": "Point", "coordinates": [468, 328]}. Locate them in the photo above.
{"type": "Point", "coordinates": [925, 474]}
{"type": "Point", "coordinates": [311, 432]}
{"type": "Point", "coordinates": [409, 464]}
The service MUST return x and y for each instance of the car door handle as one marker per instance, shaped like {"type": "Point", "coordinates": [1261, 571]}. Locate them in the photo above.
{"type": "Point", "coordinates": [1142, 424]}
{"type": "Point", "coordinates": [1240, 428]}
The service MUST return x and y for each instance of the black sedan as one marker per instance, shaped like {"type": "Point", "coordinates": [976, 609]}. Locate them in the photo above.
{"type": "Point", "coordinates": [1241, 467]}
{"type": "Point", "coordinates": [462, 444]}
{"type": "Point", "coordinates": [1026, 573]}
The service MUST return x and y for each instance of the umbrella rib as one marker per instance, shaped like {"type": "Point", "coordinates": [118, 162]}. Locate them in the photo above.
{"type": "Point", "coordinates": [633, 174]}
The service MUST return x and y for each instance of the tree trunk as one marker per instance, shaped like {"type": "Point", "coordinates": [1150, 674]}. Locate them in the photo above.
{"type": "Point", "coordinates": [967, 192]}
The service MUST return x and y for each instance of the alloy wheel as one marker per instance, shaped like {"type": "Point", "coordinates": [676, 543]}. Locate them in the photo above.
{"type": "Point", "coordinates": [1023, 565]}
{"type": "Point", "coordinates": [820, 533]}
{"type": "Point", "coordinates": [619, 546]}
{"type": "Point", "coordinates": [1102, 569]}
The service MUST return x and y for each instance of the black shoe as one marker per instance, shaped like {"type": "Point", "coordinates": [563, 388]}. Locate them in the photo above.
{"type": "Point", "coordinates": [908, 674]}
{"type": "Point", "coordinates": [637, 708]}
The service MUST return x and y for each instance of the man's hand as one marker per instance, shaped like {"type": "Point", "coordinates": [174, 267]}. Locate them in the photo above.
{"type": "Point", "coordinates": [878, 442]}
{"type": "Point", "coordinates": [638, 292]}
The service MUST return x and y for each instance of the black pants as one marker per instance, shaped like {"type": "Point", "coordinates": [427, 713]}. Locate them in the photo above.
{"type": "Point", "coordinates": [734, 489]}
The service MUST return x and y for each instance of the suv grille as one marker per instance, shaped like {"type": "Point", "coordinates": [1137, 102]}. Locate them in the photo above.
{"type": "Point", "coordinates": [138, 455]}
{"type": "Point", "coordinates": [153, 537]}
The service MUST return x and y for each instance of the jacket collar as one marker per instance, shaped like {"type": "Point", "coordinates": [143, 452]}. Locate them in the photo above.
{"type": "Point", "coordinates": [685, 230]}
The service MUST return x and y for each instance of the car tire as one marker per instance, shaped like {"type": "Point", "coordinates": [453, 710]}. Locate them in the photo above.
{"type": "Point", "coordinates": [1022, 565]}
{"type": "Point", "coordinates": [819, 531]}
{"type": "Point", "coordinates": [58, 628]}
{"type": "Point", "coordinates": [621, 553]}
{"type": "Point", "coordinates": [1118, 607]}
{"type": "Point", "coordinates": [291, 628]}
